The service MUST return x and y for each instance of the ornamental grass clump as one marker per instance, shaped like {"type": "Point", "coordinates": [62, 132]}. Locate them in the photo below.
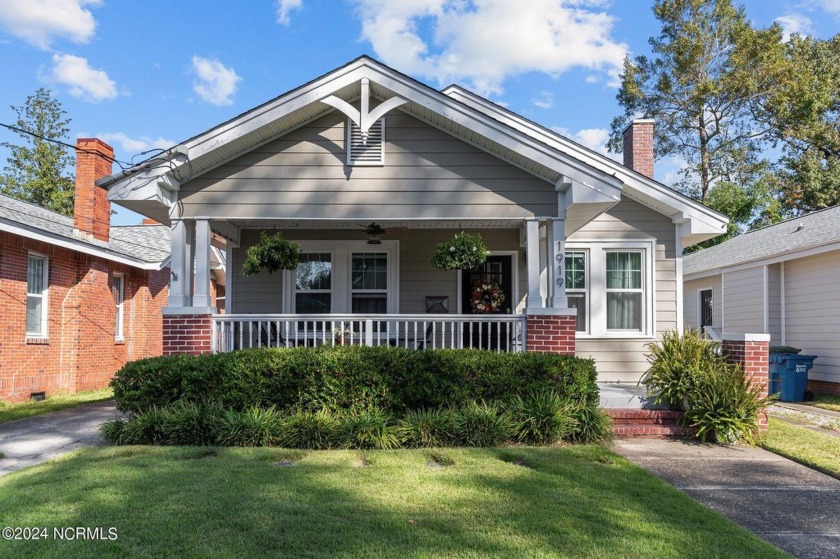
{"type": "Point", "coordinates": [312, 430]}
{"type": "Point", "coordinates": [252, 427]}
{"type": "Point", "coordinates": [482, 425]}
{"type": "Point", "coordinates": [368, 429]}
{"type": "Point", "coordinates": [541, 418]}
{"type": "Point", "coordinates": [427, 428]}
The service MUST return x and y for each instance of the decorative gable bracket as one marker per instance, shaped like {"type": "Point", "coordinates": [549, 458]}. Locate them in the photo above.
{"type": "Point", "coordinates": [364, 118]}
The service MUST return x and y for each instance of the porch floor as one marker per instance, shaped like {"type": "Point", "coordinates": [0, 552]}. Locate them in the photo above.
{"type": "Point", "coordinates": [626, 395]}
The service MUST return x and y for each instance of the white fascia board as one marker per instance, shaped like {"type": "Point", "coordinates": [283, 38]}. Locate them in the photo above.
{"type": "Point", "coordinates": [702, 275]}
{"type": "Point", "coordinates": [692, 210]}
{"type": "Point", "coordinates": [78, 246]}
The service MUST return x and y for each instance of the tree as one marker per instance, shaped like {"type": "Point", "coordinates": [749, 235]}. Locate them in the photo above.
{"type": "Point", "coordinates": [699, 91]}
{"type": "Point", "coordinates": [36, 170]}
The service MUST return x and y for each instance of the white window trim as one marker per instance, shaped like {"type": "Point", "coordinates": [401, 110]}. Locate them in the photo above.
{"type": "Point", "coordinates": [597, 282]}
{"type": "Point", "coordinates": [586, 291]}
{"type": "Point", "coordinates": [45, 296]}
{"type": "Point", "coordinates": [700, 290]}
{"type": "Point", "coordinates": [342, 251]}
{"type": "Point", "coordinates": [119, 326]}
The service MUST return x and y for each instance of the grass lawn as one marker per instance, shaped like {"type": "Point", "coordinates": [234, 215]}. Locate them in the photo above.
{"type": "Point", "coordinates": [826, 402]}
{"type": "Point", "coordinates": [19, 410]}
{"type": "Point", "coordinates": [820, 451]}
{"type": "Point", "coordinates": [518, 502]}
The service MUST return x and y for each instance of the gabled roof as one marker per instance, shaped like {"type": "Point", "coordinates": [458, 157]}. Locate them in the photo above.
{"type": "Point", "coordinates": [812, 231]}
{"type": "Point", "coordinates": [143, 246]}
{"type": "Point", "coordinates": [151, 187]}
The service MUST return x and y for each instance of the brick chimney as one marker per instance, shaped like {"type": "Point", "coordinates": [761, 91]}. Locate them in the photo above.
{"type": "Point", "coordinates": [150, 221]}
{"type": "Point", "coordinates": [92, 210]}
{"type": "Point", "coordinates": [638, 146]}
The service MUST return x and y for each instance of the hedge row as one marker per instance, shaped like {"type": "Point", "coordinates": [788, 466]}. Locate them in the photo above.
{"type": "Point", "coordinates": [394, 380]}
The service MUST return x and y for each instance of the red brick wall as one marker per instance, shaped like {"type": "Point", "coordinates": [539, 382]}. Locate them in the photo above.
{"type": "Point", "coordinates": [754, 358]}
{"type": "Point", "coordinates": [547, 333]}
{"type": "Point", "coordinates": [186, 333]}
{"type": "Point", "coordinates": [823, 387]}
{"type": "Point", "coordinates": [80, 351]}
{"type": "Point", "coordinates": [638, 147]}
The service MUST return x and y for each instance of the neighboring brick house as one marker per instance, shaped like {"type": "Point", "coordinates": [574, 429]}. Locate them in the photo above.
{"type": "Point", "coordinates": [78, 297]}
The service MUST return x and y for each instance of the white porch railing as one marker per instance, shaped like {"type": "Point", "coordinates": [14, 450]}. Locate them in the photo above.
{"type": "Point", "coordinates": [498, 332]}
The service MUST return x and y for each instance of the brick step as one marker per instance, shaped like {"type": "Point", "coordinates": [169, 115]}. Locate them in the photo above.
{"type": "Point", "coordinates": [636, 423]}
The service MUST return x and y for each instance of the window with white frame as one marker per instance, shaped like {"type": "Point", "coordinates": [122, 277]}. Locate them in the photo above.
{"type": "Point", "coordinates": [624, 290]}
{"type": "Point", "coordinates": [36, 296]}
{"type": "Point", "coordinates": [369, 283]}
{"type": "Point", "coordinates": [313, 283]}
{"type": "Point", "coordinates": [576, 287]}
{"type": "Point", "coordinates": [118, 289]}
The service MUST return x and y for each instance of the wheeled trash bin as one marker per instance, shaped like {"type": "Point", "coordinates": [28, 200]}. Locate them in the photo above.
{"type": "Point", "coordinates": [789, 375]}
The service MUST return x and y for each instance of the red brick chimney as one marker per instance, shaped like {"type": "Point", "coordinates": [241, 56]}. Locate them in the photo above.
{"type": "Point", "coordinates": [638, 146]}
{"type": "Point", "coordinates": [92, 210]}
{"type": "Point", "coordinates": [150, 221]}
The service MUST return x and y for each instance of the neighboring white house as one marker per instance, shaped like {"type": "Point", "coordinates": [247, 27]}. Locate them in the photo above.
{"type": "Point", "coordinates": [571, 232]}
{"type": "Point", "coordinates": [782, 280]}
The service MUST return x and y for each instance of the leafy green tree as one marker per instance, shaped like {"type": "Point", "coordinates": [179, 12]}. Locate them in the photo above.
{"type": "Point", "coordinates": [36, 170]}
{"type": "Point", "coordinates": [699, 92]}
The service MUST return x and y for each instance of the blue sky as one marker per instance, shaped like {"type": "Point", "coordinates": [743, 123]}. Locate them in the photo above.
{"type": "Point", "coordinates": [150, 74]}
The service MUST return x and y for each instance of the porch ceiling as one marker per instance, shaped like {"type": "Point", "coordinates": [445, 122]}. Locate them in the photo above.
{"type": "Point", "coordinates": [355, 224]}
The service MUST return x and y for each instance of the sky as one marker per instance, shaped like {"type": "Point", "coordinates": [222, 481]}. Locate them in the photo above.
{"type": "Point", "coordinates": [150, 74]}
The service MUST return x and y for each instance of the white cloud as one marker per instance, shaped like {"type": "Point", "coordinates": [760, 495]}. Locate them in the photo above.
{"type": "Point", "coordinates": [215, 83]}
{"type": "Point", "coordinates": [830, 6]}
{"type": "Point", "coordinates": [134, 145]}
{"type": "Point", "coordinates": [81, 80]}
{"type": "Point", "coordinates": [40, 22]}
{"type": "Point", "coordinates": [545, 100]}
{"type": "Point", "coordinates": [794, 23]}
{"type": "Point", "coordinates": [484, 42]}
{"type": "Point", "coordinates": [285, 8]}
{"type": "Point", "coordinates": [593, 138]}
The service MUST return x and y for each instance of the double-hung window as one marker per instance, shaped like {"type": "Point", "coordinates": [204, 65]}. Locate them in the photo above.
{"type": "Point", "coordinates": [706, 307]}
{"type": "Point", "coordinates": [625, 290]}
{"type": "Point", "coordinates": [313, 283]}
{"type": "Point", "coordinates": [36, 296]}
{"type": "Point", "coordinates": [118, 288]}
{"type": "Point", "coordinates": [369, 283]}
{"type": "Point", "coordinates": [576, 286]}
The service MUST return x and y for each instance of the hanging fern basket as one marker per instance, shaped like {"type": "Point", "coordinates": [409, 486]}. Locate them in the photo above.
{"type": "Point", "coordinates": [273, 253]}
{"type": "Point", "coordinates": [464, 252]}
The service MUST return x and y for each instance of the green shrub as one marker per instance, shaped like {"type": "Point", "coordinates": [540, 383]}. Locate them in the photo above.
{"type": "Point", "coordinates": [339, 378]}
{"type": "Point", "coordinates": [592, 425]}
{"type": "Point", "coordinates": [192, 423]}
{"type": "Point", "coordinates": [252, 427]}
{"type": "Point", "coordinates": [677, 364]}
{"type": "Point", "coordinates": [112, 430]}
{"type": "Point", "coordinates": [726, 406]}
{"type": "Point", "coordinates": [541, 418]}
{"type": "Point", "coordinates": [481, 424]}
{"type": "Point", "coordinates": [368, 429]}
{"type": "Point", "coordinates": [144, 428]}
{"type": "Point", "coordinates": [310, 430]}
{"type": "Point", "coordinates": [427, 428]}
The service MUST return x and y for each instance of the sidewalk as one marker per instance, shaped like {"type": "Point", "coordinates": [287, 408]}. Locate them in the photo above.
{"type": "Point", "coordinates": [33, 440]}
{"type": "Point", "coordinates": [789, 505]}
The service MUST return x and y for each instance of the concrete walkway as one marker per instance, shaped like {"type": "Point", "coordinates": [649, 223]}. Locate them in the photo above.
{"type": "Point", "coordinates": [789, 505]}
{"type": "Point", "coordinates": [30, 441]}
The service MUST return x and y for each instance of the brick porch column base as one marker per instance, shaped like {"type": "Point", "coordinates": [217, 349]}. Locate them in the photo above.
{"type": "Point", "coordinates": [550, 330]}
{"type": "Point", "coordinates": [187, 333]}
{"type": "Point", "coordinates": [752, 352]}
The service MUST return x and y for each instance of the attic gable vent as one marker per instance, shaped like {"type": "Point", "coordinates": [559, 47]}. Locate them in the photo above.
{"type": "Point", "coordinates": [366, 151]}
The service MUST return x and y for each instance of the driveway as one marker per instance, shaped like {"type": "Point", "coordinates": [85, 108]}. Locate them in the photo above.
{"type": "Point", "coordinates": [789, 505]}
{"type": "Point", "coordinates": [33, 440]}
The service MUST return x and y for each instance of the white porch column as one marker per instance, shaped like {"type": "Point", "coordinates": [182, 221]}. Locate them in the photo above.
{"type": "Point", "coordinates": [180, 283]}
{"type": "Point", "coordinates": [202, 264]}
{"type": "Point", "coordinates": [557, 256]}
{"type": "Point", "coordinates": [532, 254]}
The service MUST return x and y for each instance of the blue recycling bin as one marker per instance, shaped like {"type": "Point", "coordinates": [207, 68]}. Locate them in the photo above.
{"type": "Point", "coordinates": [789, 375]}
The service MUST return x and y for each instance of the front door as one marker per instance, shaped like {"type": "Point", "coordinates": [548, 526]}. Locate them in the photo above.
{"type": "Point", "coordinates": [497, 271]}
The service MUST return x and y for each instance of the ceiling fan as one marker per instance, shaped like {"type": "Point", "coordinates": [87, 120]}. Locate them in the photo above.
{"type": "Point", "coordinates": [375, 232]}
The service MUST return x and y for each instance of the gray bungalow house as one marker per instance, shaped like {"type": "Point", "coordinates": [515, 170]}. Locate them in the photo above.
{"type": "Point", "coordinates": [586, 251]}
{"type": "Point", "coordinates": [781, 280]}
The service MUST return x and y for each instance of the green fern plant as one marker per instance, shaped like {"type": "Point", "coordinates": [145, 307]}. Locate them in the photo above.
{"type": "Point", "coordinates": [677, 364]}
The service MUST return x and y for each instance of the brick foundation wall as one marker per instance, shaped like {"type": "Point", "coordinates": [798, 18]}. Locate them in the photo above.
{"type": "Point", "coordinates": [187, 333]}
{"type": "Point", "coordinates": [752, 352]}
{"type": "Point", "coordinates": [80, 351]}
{"type": "Point", "coordinates": [824, 387]}
{"type": "Point", "coordinates": [551, 333]}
